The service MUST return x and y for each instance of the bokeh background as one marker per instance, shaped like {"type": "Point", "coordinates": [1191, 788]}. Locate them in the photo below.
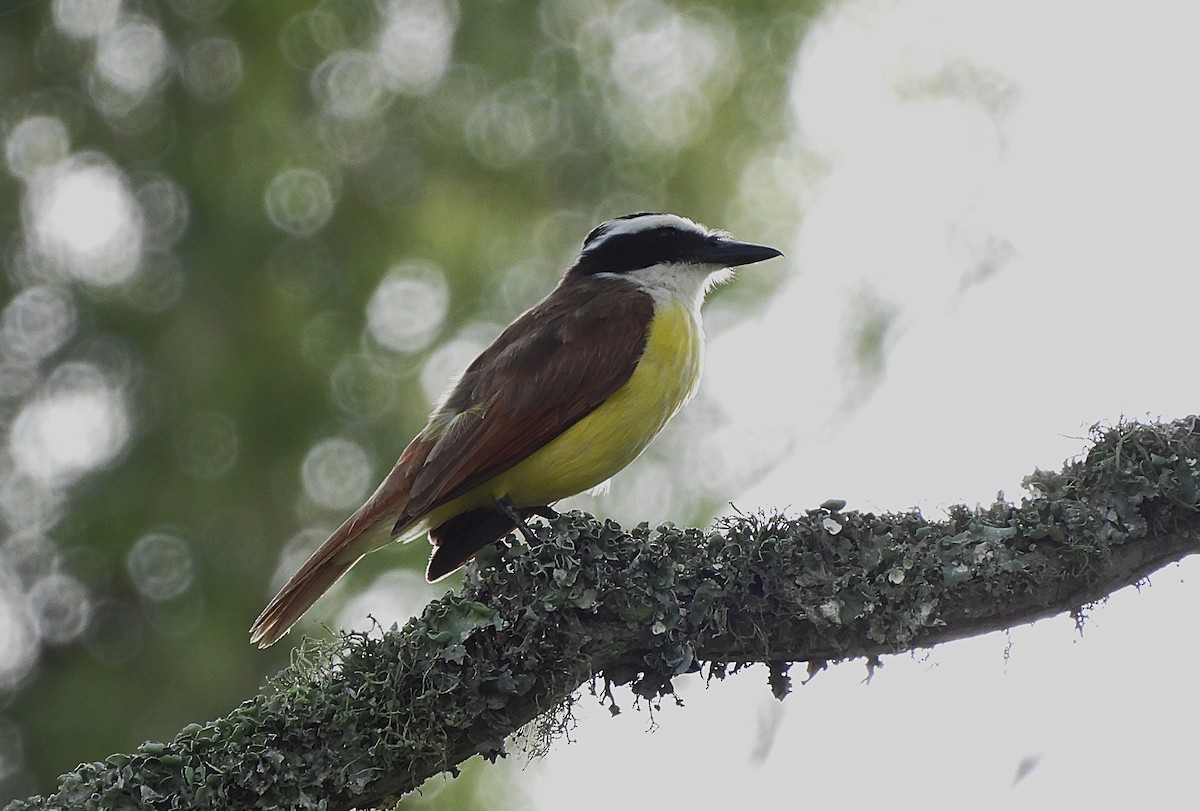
{"type": "Point", "coordinates": [246, 245]}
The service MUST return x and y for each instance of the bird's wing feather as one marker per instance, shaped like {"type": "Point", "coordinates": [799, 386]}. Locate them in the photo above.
{"type": "Point", "coordinates": [554, 365]}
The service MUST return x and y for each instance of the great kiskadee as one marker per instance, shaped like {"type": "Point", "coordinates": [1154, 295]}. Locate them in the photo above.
{"type": "Point", "coordinates": [569, 394]}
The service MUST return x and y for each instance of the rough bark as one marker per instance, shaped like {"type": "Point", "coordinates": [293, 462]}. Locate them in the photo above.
{"type": "Point", "coordinates": [362, 724]}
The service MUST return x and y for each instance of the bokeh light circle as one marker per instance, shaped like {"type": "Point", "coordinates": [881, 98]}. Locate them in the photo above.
{"type": "Point", "coordinates": [18, 640]}
{"type": "Point", "coordinates": [59, 606]}
{"type": "Point", "coordinates": [300, 201]}
{"type": "Point", "coordinates": [212, 68]}
{"type": "Point", "coordinates": [416, 42]}
{"type": "Point", "coordinates": [350, 84]}
{"type": "Point", "coordinates": [83, 220]}
{"type": "Point", "coordinates": [85, 19]}
{"type": "Point", "coordinates": [37, 142]}
{"type": "Point", "coordinates": [336, 473]}
{"type": "Point", "coordinates": [79, 422]}
{"type": "Point", "coordinates": [36, 322]}
{"type": "Point", "coordinates": [28, 504]}
{"type": "Point", "coordinates": [206, 445]}
{"type": "Point", "coordinates": [160, 566]}
{"type": "Point", "coordinates": [133, 56]}
{"type": "Point", "coordinates": [407, 308]}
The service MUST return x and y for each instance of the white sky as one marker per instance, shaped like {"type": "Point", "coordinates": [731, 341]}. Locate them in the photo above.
{"type": "Point", "coordinates": [1060, 140]}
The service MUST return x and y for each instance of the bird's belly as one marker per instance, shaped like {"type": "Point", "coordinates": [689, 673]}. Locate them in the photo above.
{"type": "Point", "coordinates": [605, 441]}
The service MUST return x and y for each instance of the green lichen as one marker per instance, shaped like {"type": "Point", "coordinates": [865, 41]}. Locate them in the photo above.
{"type": "Point", "coordinates": [364, 721]}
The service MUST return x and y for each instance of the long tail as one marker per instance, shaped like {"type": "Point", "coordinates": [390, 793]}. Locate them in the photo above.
{"type": "Point", "coordinates": [378, 522]}
{"type": "Point", "coordinates": [304, 588]}
{"type": "Point", "coordinates": [367, 530]}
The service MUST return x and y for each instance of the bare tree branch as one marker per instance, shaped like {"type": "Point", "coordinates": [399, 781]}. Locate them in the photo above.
{"type": "Point", "coordinates": [371, 720]}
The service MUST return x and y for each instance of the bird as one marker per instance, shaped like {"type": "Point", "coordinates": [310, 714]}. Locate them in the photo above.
{"type": "Point", "coordinates": [567, 396]}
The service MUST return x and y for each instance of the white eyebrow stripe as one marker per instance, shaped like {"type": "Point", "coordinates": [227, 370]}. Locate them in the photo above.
{"type": "Point", "coordinates": [648, 223]}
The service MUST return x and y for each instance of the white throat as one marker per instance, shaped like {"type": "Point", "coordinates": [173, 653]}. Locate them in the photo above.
{"type": "Point", "coordinates": [676, 284]}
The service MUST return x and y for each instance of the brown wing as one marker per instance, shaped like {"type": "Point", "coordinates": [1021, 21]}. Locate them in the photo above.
{"type": "Point", "coordinates": [553, 366]}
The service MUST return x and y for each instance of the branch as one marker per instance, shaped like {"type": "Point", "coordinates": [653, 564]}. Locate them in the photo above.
{"type": "Point", "coordinates": [376, 717]}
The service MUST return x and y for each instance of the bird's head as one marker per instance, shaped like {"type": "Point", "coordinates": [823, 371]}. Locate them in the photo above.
{"type": "Point", "coordinates": [664, 253]}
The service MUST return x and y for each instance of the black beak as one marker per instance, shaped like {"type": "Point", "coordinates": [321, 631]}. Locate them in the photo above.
{"type": "Point", "coordinates": [731, 253]}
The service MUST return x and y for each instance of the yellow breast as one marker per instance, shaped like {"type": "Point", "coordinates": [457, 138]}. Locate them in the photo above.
{"type": "Point", "coordinates": [605, 441]}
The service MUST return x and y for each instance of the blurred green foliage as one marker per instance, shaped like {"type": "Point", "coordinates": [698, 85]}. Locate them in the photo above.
{"type": "Point", "coordinates": [266, 164]}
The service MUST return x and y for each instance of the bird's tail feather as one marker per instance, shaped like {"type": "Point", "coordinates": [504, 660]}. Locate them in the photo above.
{"type": "Point", "coordinates": [360, 534]}
{"type": "Point", "coordinates": [304, 588]}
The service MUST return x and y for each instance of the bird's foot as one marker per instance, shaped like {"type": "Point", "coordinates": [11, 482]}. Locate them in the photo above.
{"type": "Point", "coordinates": [518, 518]}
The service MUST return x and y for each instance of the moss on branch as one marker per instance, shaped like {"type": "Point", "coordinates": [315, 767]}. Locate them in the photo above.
{"type": "Point", "coordinates": [370, 720]}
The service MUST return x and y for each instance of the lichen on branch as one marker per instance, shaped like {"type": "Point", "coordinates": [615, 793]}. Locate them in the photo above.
{"type": "Point", "coordinates": [367, 719]}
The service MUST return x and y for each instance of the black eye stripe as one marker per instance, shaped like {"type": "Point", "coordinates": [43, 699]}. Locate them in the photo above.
{"type": "Point", "coordinates": [621, 253]}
